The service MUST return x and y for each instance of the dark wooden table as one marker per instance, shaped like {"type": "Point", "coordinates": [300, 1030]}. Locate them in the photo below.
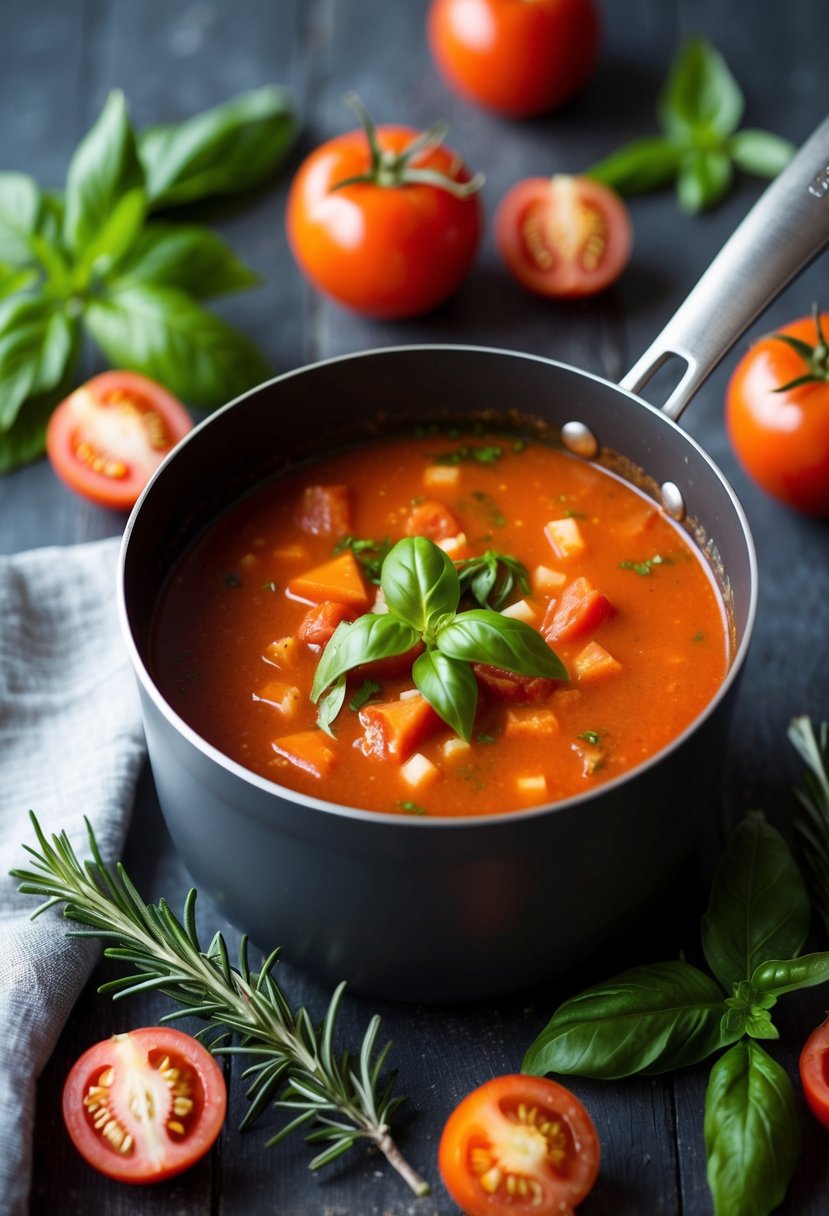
{"type": "Point", "coordinates": [175, 57]}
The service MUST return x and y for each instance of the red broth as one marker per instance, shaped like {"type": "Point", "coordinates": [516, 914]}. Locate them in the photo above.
{"type": "Point", "coordinates": [618, 590]}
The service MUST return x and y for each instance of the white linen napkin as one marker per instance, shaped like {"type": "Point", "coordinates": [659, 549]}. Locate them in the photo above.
{"type": "Point", "coordinates": [71, 744]}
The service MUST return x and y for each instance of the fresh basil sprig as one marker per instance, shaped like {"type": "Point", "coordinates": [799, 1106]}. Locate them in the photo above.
{"type": "Point", "coordinates": [699, 111]}
{"type": "Point", "coordinates": [491, 578]}
{"type": "Point", "coordinates": [657, 1018]}
{"type": "Point", "coordinates": [94, 259]}
{"type": "Point", "coordinates": [422, 590]}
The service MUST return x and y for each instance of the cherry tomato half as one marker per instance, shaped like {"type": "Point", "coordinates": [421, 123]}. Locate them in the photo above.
{"type": "Point", "coordinates": [781, 438]}
{"type": "Point", "coordinates": [108, 437]}
{"type": "Point", "coordinates": [519, 1143]}
{"type": "Point", "coordinates": [814, 1072]}
{"type": "Point", "coordinates": [563, 236]}
{"type": "Point", "coordinates": [517, 57]}
{"type": "Point", "coordinates": [391, 243]}
{"type": "Point", "coordinates": [145, 1105]}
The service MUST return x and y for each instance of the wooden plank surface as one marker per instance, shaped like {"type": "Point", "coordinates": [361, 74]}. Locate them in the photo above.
{"type": "Point", "coordinates": [175, 57]}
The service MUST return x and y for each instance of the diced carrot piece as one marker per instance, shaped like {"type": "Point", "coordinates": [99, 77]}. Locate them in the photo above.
{"type": "Point", "coordinates": [581, 608]}
{"type": "Point", "coordinates": [595, 663]}
{"type": "Point", "coordinates": [284, 697]}
{"type": "Point", "coordinates": [282, 652]}
{"type": "Point", "coordinates": [326, 510]}
{"type": "Point", "coordinates": [433, 519]}
{"type": "Point", "coordinates": [396, 728]}
{"type": "Point", "coordinates": [307, 750]}
{"type": "Point", "coordinates": [317, 626]}
{"type": "Point", "coordinates": [340, 580]}
{"type": "Point", "coordinates": [509, 686]}
{"type": "Point", "coordinates": [566, 537]}
{"type": "Point", "coordinates": [529, 720]}
{"type": "Point", "coordinates": [418, 771]}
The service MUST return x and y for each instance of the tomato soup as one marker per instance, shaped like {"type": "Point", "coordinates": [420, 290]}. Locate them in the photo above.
{"type": "Point", "coordinates": [612, 585]}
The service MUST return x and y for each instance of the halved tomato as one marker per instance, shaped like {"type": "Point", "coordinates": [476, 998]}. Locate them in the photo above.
{"type": "Point", "coordinates": [144, 1105]}
{"type": "Point", "coordinates": [519, 1143]}
{"type": "Point", "coordinates": [563, 236]}
{"type": "Point", "coordinates": [107, 438]}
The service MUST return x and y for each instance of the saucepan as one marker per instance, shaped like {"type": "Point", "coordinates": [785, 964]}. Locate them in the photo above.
{"type": "Point", "coordinates": [424, 910]}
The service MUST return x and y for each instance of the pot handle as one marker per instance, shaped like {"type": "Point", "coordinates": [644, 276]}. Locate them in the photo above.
{"type": "Point", "coordinates": [786, 228]}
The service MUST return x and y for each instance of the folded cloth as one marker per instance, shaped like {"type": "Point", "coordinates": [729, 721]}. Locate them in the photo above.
{"type": "Point", "coordinates": [71, 744]}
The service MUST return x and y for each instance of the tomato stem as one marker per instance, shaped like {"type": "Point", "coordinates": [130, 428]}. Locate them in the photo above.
{"type": "Point", "coordinates": [391, 170]}
{"type": "Point", "coordinates": [816, 357]}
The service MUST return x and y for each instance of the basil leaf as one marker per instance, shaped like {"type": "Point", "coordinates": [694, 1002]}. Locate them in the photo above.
{"type": "Point", "coordinates": [788, 975]}
{"type": "Point", "coordinates": [14, 279]}
{"type": "Point", "coordinates": [704, 177]}
{"type": "Point", "coordinates": [648, 1019]}
{"type": "Point", "coordinates": [229, 148]}
{"type": "Point", "coordinates": [370, 637]}
{"type": "Point", "coordinates": [19, 208]}
{"type": "Point", "coordinates": [483, 636]}
{"type": "Point", "coordinates": [36, 339]}
{"type": "Point", "coordinates": [330, 705]}
{"type": "Point", "coordinates": [643, 164]}
{"type": "Point", "coordinates": [166, 335]}
{"type": "Point", "coordinates": [25, 439]}
{"type": "Point", "coordinates": [759, 909]}
{"type": "Point", "coordinates": [760, 152]}
{"type": "Point", "coordinates": [450, 688]}
{"type": "Point", "coordinates": [751, 1132]}
{"type": "Point", "coordinates": [105, 193]}
{"type": "Point", "coordinates": [188, 257]}
{"type": "Point", "coordinates": [420, 582]}
{"type": "Point", "coordinates": [700, 97]}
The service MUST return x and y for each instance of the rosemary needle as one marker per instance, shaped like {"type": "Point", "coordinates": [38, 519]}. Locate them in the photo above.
{"type": "Point", "coordinates": [339, 1101]}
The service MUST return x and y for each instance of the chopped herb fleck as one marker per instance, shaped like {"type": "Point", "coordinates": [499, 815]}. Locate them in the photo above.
{"type": "Point", "coordinates": [699, 636]}
{"type": "Point", "coordinates": [484, 738]}
{"type": "Point", "coordinates": [572, 513]}
{"type": "Point", "coordinates": [591, 736]}
{"type": "Point", "coordinates": [411, 808]}
{"type": "Point", "coordinates": [367, 690]}
{"type": "Point", "coordinates": [485, 454]}
{"type": "Point", "coordinates": [271, 586]}
{"type": "Point", "coordinates": [232, 579]}
{"type": "Point", "coordinates": [646, 567]}
{"type": "Point", "coordinates": [485, 506]}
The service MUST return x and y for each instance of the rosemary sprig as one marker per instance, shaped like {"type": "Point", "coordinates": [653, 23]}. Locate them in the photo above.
{"type": "Point", "coordinates": [811, 822]}
{"type": "Point", "coordinates": [339, 1100]}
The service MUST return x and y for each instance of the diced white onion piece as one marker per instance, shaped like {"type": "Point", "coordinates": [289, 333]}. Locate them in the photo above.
{"type": "Point", "coordinates": [418, 771]}
{"type": "Point", "coordinates": [544, 579]}
{"type": "Point", "coordinates": [455, 748]}
{"type": "Point", "coordinates": [521, 610]}
{"type": "Point", "coordinates": [408, 693]}
{"type": "Point", "coordinates": [445, 476]}
{"type": "Point", "coordinates": [454, 546]}
{"type": "Point", "coordinates": [380, 606]}
{"type": "Point", "coordinates": [565, 537]}
{"type": "Point", "coordinates": [532, 785]}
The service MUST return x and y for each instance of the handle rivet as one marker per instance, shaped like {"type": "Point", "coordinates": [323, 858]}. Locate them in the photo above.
{"type": "Point", "coordinates": [672, 500]}
{"type": "Point", "coordinates": [579, 440]}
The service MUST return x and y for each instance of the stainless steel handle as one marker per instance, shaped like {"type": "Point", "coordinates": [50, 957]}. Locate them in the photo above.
{"type": "Point", "coordinates": [786, 228]}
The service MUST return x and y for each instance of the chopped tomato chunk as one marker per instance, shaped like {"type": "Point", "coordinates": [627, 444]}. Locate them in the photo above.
{"type": "Point", "coordinates": [510, 686]}
{"type": "Point", "coordinates": [284, 697]}
{"type": "Point", "coordinates": [581, 608]}
{"type": "Point", "coordinates": [433, 519]}
{"type": "Point", "coordinates": [307, 750]}
{"type": "Point", "coordinates": [326, 510]}
{"type": "Point", "coordinates": [318, 625]}
{"type": "Point", "coordinates": [396, 728]}
{"type": "Point", "coordinates": [339, 580]}
{"type": "Point", "coordinates": [531, 720]}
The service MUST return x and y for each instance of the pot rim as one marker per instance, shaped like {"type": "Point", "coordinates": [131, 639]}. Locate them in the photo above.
{"type": "Point", "coordinates": [496, 821]}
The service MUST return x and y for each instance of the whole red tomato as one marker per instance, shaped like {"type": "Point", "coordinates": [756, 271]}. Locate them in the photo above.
{"type": "Point", "coordinates": [777, 414]}
{"type": "Point", "coordinates": [519, 1144]}
{"type": "Point", "coordinates": [814, 1073]}
{"type": "Point", "coordinates": [384, 220]}
{"type": "Point", "coordinates": [517, 57]}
